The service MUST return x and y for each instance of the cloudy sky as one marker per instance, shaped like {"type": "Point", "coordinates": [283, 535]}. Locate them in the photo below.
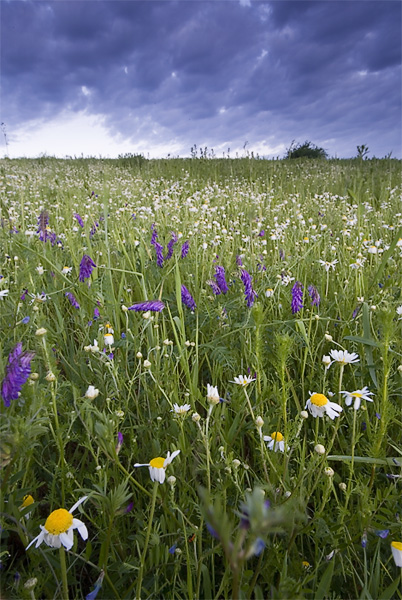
{"type": "Point", "coordinates": [107, 77]}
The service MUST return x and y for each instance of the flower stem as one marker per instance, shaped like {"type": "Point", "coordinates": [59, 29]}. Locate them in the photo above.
{"type": "Point", "coordinates": [63, 569]}
{"type": "Point", "coordinates": [144, 552]}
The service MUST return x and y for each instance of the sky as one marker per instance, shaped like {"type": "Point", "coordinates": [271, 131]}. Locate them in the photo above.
{"type": "Point", "coordinates": [156, 77]}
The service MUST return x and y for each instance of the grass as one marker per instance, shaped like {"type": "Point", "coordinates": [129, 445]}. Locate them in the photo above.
{"type": "Point", "coordinates": [233, 518]}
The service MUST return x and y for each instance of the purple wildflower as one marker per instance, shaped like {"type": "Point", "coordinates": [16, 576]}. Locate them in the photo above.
{"type": "Point", "coordinates": [297, 297]}
{"type": "Point", "coordinates": [184, 249]}
{"type": "Point", "coordinates": [314, 295]}
{"type": "Point", "coordinates": [26, 320]}
{"type": "Point", "coordinates": [172, 549]}
{"type": "Point", "coordinates": [187, 298]}
{"type": "Point", "coordinates": [119, 442]}
{"type": "Point", "coordinates": [86, 267]}
{"type": "Point", "coordinates": [258, 546]}
{"type": "Point", "coordinates": [159, 254]}
{"type": "Point", "coordinates": [364, 539]}
{"type": "Point", "coordinates": [382, 533]}
{"type": "Point", "coordinates": [24, 293]}
{"type": "Point", "coordinates": [221, 280]}
{"type": "Point", "coordinates": [17, 373]}
{"type": "Point", "coordinates": [93, 229]}
{"type": "Point", "coordinates": [43, 222]}
{"type": "Point", "coordinates": [212, 531]}
{"type": "Point", "coordinates": [154, 234]}
{"type": "Point", "coordinates": [152, 305]}
{"type": "Point", "coordinates": [215, 287]}
{"type": "Point", "coordinates": [79, 219]}
{"type": "Point", "coordinates": [129, 507]}
{"type": "Point", "coordinates": [72, 299]}
{"type": "Point", "coordinates": [281, 254]}
{"type": "Point", "coordinates": [249, 293]}
{"type": "Point", "coordinates": [262, 233]}
{"type": "Point", "coordinates": [170, 245]}
{"type": "Point", "coordinates": [239, 261]}
{"type": "Point", "coordinates": [96, 313]}
{"type": "Point", "coordinates": [98, 584]}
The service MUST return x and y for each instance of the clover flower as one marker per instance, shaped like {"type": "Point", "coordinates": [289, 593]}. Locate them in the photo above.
{"type": "Point", "coordinates": [357, 396]}
{"type": "Point", "coordinates": [157, 466]}
{"type": "Point", "coordinates": [86, 267]}
{"type": "Point", "coordinates": [17, 373]}
{"type": "Point", "coordinates": [59, 528]}
{"type": "Point", "coordinates": [344, 357]}
{"type": "Point", "coordinates": [152, 305]}
{"type": "Point", "coordinates": [276, 442]}
{"type": "Point", "coordinates": [187, 298]}
{"type": "Point", "coordinates": [319, 405]}
{"type": "Point", "coordinates": [297, 297]}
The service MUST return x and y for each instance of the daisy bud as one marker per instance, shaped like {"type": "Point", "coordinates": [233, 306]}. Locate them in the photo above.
{"type": "Point", "coordinates": [319, 448]}
{"type": "Point", "coordinates": [30, 583]}
{"type": "Point", "coordinates": [147, 364]}
{"type": "Point", "coordinates": [342, 486]}
{"type": "Point", "coordinates": [259, 422]}
{"type": "Point", "coordinates": [196, 417]}
{"type": "Point", "coordinates": [304, 414]}
{"type": "Point", "coordinates": [139, 355]}
{"type": "Point", "coordinates": [146, 315]}
{"type": "Point", "coordinates": [171, 480]}
{"type": "Point", "coordinates": [124, 308]}
{"type": "Point", "coordinates": [326, 361]}
{"type": "Point", "coordinates": [236, 463]}
{"type": "Point", "coordinates": [329, 472]}
{"type": "Point", "coordinates": [40, 331]}
{"type": "Point", "coordinates": [91, 393]}
{"type": "Point", "coordinates": [50, 376]}
{"type": "Point", "coordinates": [400, 368]}
{"type": "Point", "coordinates": [328, 337]}
{"type": "Point", "coordinates": [34, 376]}
{"type": "Point", "coordinates": [287, 494]}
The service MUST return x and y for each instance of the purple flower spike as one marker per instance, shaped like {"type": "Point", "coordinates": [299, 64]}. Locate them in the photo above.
{"type": "Point", "coordinates": [72, 299]}
{"type": "Point", "coordinates": [152, 305]}
{"type": "Point", "coordinates": [297, 297]}
{"type": "Point", "coordinates": [184, 249]}
{"type": "Point", "coordinates": [86, 267]}
{"type": "Point", "coordinates": [239, 261]}
{"type": "Point", "coordinates": [249, 293]}
{"type": "Point", "coordinates": [220, 279]}
{"type": "Point", "coordinates": [159, 254]}
{"type": "Point", "coordinates": [215, 287]}
{"type": "Point", "coordinates": [119, 442]}
{"type": "Point", "coordinates": [187, 298]}
{"type": "Point", "coordinates": [17, 373]}
{"type": "Point", "coordinates": [170, 246]}
{"type": "Point", "coordinates": [79, 219]}
{"type": "Point", "coordinates": [43, 222]}
{"type": "Point", "coordinates": [314, 295]}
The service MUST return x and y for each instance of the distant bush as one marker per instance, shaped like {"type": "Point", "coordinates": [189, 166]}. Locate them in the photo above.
{"type": "Point", "coordinates": [305, 150]}
{"type": "Point", "coordinates": [131, 160]}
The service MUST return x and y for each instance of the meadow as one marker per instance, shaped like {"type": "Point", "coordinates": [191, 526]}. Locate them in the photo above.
{"type": "Point", "coordinates": [201, 378]}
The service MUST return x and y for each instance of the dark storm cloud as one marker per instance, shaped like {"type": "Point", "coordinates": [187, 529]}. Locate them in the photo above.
{"type": "Point", "coordinates": [209, 72]}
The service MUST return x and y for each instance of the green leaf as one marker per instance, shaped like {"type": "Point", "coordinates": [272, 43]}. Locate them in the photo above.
{"type": "Point", "coordinates": [325, 583]}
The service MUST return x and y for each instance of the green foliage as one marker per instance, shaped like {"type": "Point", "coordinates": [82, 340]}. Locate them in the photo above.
{"type": "Point", "coordinates": [332, 224]}
{"type": "Point", "coordinates": [305, 150]}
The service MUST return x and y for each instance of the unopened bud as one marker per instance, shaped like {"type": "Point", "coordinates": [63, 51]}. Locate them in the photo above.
{"type": "Point", "coordinates": [319, 448]}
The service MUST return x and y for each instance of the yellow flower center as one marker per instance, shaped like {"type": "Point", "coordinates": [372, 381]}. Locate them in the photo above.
{"type": "Point", "coordinates": [356, 394]}
{"type": "Point", "coordinates": [319, 399]}
{"type": "Point", "coordinates": [157, 462]}
{"type": "Point", "coordinates": [397, 545]}
{"type": "Point", "coordinates": [28, 500]}
{"type": "Point", "coordinates": [59, 521]}
{"type": "Point", "coordinates": [277, 436]}
{"type": "Point", "coordinates": [305, 564]}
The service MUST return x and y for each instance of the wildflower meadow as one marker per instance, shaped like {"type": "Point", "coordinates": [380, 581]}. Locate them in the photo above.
{"type": "Point", "coordinates": [201, 378]}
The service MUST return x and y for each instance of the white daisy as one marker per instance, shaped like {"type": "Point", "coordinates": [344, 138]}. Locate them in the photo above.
{"type": "Point", "coordinates": [398, 310]}
{"type": "Point", "coordinates": [358, 396]}
{"type": "Point", "coordinates": [328, 265]}
{"type": "Point", "coordinates": [243, 380]}
{"type": "Point", "coordinates": [319, 405]}
{"type": "Point", "coordinates": [4, 293]}
{"type": "Point", "coordinates": [344, 357]}
{"type": "Point", "coordinates": [92, 393]}
{"type": "Point", "coordinates": [59, 528]}
{"type": "Point", "coordinates": [181, 410]}
{"type": "Point", "coordinates": [66, 270]}
{"type": "Point", "coordinates": [396, 548]}
{"type": "Point", "coordinates": [157, 466]}
{"type": "Point", "coordinates": [276, 442]}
